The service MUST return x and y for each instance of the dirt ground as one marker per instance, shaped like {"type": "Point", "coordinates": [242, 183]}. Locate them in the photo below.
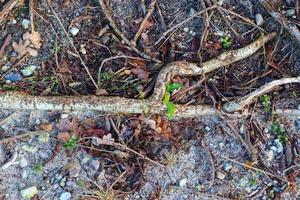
{"type": "Point", "coordinates": [59, 155]}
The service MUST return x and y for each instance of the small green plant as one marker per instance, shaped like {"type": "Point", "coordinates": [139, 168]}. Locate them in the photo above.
{"type": "Point", "coordinates": [276, 129]}
{"type": "Point", "coordinates": [105, 76]}
{"type": "Point", "coordinates": [170, 158]}
{"type": "Point", "coordinates": [225, 41]}
{"type": "Point", "coordinates": [266, 103]}
{"type": "Point", "coordinates": [71, 144]}
{"type": "Point", "coordinates": [106, 194]}
{"type": "Point", "coordinates": [170, 105]}
{"type": "Point", "coordinates": [38, 168]}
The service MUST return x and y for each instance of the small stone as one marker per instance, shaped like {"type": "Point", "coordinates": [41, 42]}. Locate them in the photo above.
{"type": "Point", "coordinates": [4, 68]}
{"type": "Point", "coordinates": [183, 182]}
{"type": "Point", "coordinates": [62, 182]}
{"type": "Point", "coordinates": [259, 19]}
{"type": "Point", "coordinates": [220, 175]}
{"type": "Point", "coordinates": [192, 12]}
{"type": "Point", "coordinates": [266, 130]}
{"type": "Point", "coordinates": [227, 166]}
{"type": "Point", "coordinates": [13, 77]}
{"type": "Point", "coordinates": [234, 169]}
{"type": "Point", "coordinates": [24, 174]}
{"type": "Point", "coordinates": [270, 155]}
{"type": "Point", "coordinates": [29, 193]}
{"type": "Point", "coordinates": [43, 137]}
{"type": "Point", "coordinates": [30, 149]}
{"type": "Point", "coordinates": [23, 162]}
{"type": "Point", "coordinates": [25, 23]}
{"type": "Point", "coordinates": [279, 146]}
{"type": "Point", "coordinates": [74, 31]}
{"type": "Point", "coordinates": [82, 49]}
{"type": "Point", "coordinates": [64, 116]}
{"type": "Point", "coordinates": [186, 29]}
{"type": "Point", "coordinates": [290, 12]}
{"type": "Point", "coordinates": [207, 128]}
{"type": "Point", "coordinates": [65, 196]}
{"type": "Point", "coordinates": [221, 144]}
{"type": "Point", "coordinates": [27, 71]}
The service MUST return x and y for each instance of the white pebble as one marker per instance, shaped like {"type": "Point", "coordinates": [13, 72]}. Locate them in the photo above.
{"type": "Point", "coordinates": [74, 31]}
{"type": "Point", "coordinates": [65, 196]}
{"type": "Point", "coordinates": [29, 193]}
{"type": "Point", "coordinates": [220, 175]}
{"type": "Point", "coordinates": [183, 182]}
{"type": "Point", "coordinates": [23, 163]}
{"type": "Point", "coordinates": [186, 29]}
{"type": "Point", "coordinates": [259, 19]}
{"type": "Point", "coordinates": [25, 23]}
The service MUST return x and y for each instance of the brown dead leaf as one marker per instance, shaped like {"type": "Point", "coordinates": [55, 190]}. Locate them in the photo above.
{"type": "Point", "coordinates": [46, 127]}
{"type": "Point", "coordinates": [30, 43]}
{"type": "Point", "coordinates": [148, 24]}
{"type": "Point", "coordinates": [34, 38]}
{"type": "Point", "coordinates": [64, 136]}
{"type": "Point", "coordinates": [142, 74]}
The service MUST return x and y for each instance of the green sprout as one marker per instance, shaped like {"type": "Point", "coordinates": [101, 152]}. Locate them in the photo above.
{"type": "Point", "coordinates": [170, 105]}
{"type": "Point", "coordinates": [266, 102]}
{"type": "Point", "coordinates": [38, 168]}
{"type": "Point", "coordinates": [276, 129]}
{"type": "Point", "coordinates": [71, 144]}
{"type": "Point", "coordinates": [225, 41]}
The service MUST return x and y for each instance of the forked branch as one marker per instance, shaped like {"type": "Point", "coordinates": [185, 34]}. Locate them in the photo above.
{"type": "Point", "coordinates": [153, 104]}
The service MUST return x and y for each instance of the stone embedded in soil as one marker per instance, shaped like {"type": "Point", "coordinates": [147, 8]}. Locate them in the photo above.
{"type": "Point", "coordinates": [29, 192]}
{"type": "Point", "coordinates": [25, 23]}
{"type": "Point", "coordinates": [23, 162]}
{"type": "Point", "coordinates": [74, 31]}
{"type": "Point", "coordinates": [220, 175]}
{"type": "Point", "coordinates": [259, 19]}
{"type": "Point", "coordinates": [13, 77]}
{"type": "Point", "coordinates": [65, 196]}
{"type": "Point", "coordinates": [290, 12]}
{"type": "Point", "coordinates": [29, 70]}
{"type": "Point", "coordinates": [227, 166]}
{"type": "Point", "coordinates": [183, 182]}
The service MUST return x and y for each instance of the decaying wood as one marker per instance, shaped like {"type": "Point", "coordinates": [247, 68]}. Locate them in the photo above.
{"type": "Point", "coordinates": [250, 98]}
{"type": "Point", "coordinates": [154, 104]}
{"type": "Point", "coordinates": [285, 23]}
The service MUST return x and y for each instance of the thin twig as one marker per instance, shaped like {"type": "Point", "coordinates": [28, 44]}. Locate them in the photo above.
{"type": "Point", "coordinates": [181, 23]}
{"type": "Point", "coordinates": [5, 44]}
{"type": "Point", "coordinates": [143, 24]}
{"type": "Point", "coordinates": [121, 35]}
{"type": "Point", "coordinates": [73, 46]}
{"type": "Point", "coordinates": [280, 18]}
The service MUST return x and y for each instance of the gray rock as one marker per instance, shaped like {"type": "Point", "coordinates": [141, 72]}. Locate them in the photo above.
{"type": "Point", "coordinates": [228, 166]}
{"type": "Point", "coordinates": [259, 19]}
{"type": "Point", "coordinates": [29, 193]}
{"type": "Point", "coordinates": [25, 23]}
{"type": "Point", "coordinates": [29, 70]}
{"type": "Point", "coordinates": [23, 162]}
{"type": "Point", "coordinates": [65, 196]}
{"type": "Point", "coordinates": [290, 12]}
{"type": "Point", "coordinates": [192, 12]}
{"type": "Point", "coordinates": [74, 31]}
{"type": "Point", "coordinates": [24, 174]}
{"type": "Point", "coordinates": [220, 175]}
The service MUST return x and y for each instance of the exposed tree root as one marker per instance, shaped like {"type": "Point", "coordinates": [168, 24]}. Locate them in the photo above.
{"type": "Point", "coordinates": [154, 104]}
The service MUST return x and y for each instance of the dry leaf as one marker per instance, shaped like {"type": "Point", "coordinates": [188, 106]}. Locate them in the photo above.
{"type": "Point", "coordinates": [64, 136]}
{"type": "Point", "coordinates": [20, 47]}
{"type": "Point", "coordinates": [34, 38]}
{"type": "Point", "coordinates": [46, 127]}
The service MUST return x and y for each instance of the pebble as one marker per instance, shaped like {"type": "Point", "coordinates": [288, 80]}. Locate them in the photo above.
{"type": "Point", "coordinates": [29, 70]}
{"type": "Point", "coordinates": [221, 144]}
{"type": "Point", "coordinates": [43, 137]}
{"type": "Point", "coordinates": [207, 128]}
{"type": "Point", "coordinates": [13, 77]}
{"type": "Point", "coordinates": [29, 148]}
{"type": "Point", "coordinates": [220, 175]}
{"type": "Point", "coordinates": [259, 19]}
{"type": "Point", "coordinates": [24, 174]}
{"type": "Point", "coordinates": [4, 68]}
{"type": "Point", "coordinates": [186, 29]}
{"type": "Point", "coordinates": [290, 12]}
{"type": "Point", "coordinates": [23, 162]}
{"type": "Point", "coordinates": [183, 182]}
{"type": "Point", "coordinates": [29, 193]}
{"type": "Point", "coordinates": [279, 146]}
{"type": "Point", "coordinates": [227, 166]}
{"type": "Point", "coordinates": [62, 182]}
{"type": "Point", "coordinates": [192, 12]}
{"type": "Point", "coordinates": [65, 196]}
{"type": "Point", "coordinates": [270, 155]}
{"type": "Point", "coordinates": [74, 31]}
{"type": "Point", "coordinates": [64, 116]}
{"type": "Point", "coordinates": [25, 23]}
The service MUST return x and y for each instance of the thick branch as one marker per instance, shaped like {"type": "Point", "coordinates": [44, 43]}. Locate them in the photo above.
{"type": "Point", "coordinates": [154, 104]}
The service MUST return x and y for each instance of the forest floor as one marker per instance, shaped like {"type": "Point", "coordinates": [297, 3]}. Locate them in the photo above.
{"type": "Point", "coordinates": [68, 47]}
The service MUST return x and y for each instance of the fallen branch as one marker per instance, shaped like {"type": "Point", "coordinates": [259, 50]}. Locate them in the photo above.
{"type": "Point", "coordinates": [285, 23]}
{"type": "Point", "coordinates": [250, 98]}
{"type": "Point", "coordinates": [154, 104]}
